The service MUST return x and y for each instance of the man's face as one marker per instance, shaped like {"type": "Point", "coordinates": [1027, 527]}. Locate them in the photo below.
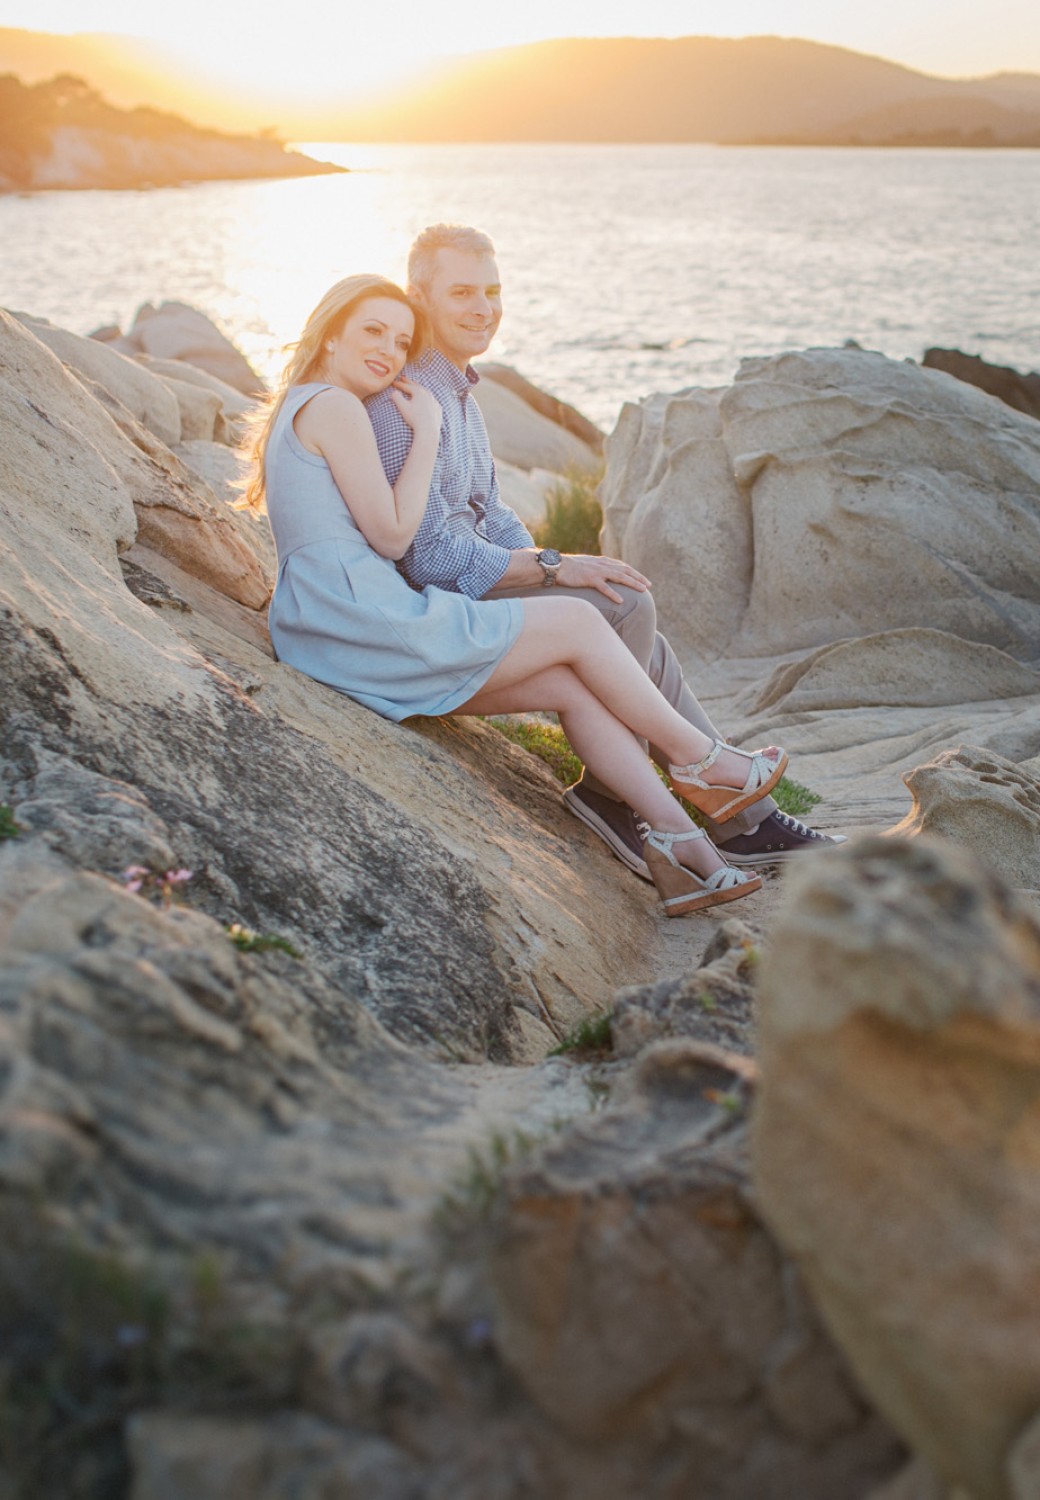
{"type": "Point", "coordinates": [464, 303]}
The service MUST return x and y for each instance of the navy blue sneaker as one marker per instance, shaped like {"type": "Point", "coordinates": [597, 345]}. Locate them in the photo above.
{"type": "Point", "coordinates": [777, 839]}
{"type": "Point", "coordinates": [617, 825]}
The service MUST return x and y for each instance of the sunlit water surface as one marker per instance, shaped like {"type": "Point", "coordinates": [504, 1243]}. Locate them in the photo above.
{"type": "Point", "coordinates": [627, 269]}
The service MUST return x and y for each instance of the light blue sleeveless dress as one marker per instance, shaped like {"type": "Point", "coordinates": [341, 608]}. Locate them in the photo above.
{"type": "Point", "coordinates": [344, 615]}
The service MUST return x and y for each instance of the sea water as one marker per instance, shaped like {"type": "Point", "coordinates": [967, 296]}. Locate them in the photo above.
{"type": "Point", "coordinates": [626, 269]}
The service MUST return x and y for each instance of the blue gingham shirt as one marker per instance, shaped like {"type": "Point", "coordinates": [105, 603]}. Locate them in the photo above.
{"type": "Point", "coordinates": [467, 533]}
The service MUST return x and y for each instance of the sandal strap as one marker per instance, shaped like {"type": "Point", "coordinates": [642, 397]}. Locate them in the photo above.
{"type": "Point", "coordinates": [726, 878]}
{"type": "Point", "coordinates": [689, 773]}
{"type": "Point", "coordinates": [760, 768]}
{"type": "Point", "coordinates": [661, 839]}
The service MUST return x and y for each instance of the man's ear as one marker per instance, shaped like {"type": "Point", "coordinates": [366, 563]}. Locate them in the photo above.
{"type": "Point", "coordinates": [416, 294]}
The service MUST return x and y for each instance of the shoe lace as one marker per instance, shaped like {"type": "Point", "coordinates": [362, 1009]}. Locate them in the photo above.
{"type": "Point", "coordinates": [642, 828]}
{"type": "Point", "coordinates": [795, 826]}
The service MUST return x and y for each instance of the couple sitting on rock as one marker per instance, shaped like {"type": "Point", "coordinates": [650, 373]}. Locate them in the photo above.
{"type": "Point", "coordinates": [375, 462]}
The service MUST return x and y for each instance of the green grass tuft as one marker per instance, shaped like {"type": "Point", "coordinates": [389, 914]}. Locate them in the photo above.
{"type": "Point", "coordinates": [475, 1192]}
{"type": "Point", "coordinates": [9, 829]}
{"type": "Point", "coordinates": [593, 1034]}
{"type": "Point", "coordinates": [573, 515]}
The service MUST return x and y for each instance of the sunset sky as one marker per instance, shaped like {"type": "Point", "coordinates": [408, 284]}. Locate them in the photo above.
{"type": "Point", "coordinates": [348, 45]}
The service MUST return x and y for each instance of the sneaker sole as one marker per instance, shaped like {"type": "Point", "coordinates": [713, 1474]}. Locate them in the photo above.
{"type": "Point", "coordinates": [617, 847]}
{"type": "Point", "coordinates": [752, 861]}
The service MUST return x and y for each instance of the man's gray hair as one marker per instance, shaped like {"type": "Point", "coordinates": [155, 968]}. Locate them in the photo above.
{"type": "Point", "coordinates": [443, 237]}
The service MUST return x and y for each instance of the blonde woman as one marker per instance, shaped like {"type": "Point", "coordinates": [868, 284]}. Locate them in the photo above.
{"type": "Point", "coordinates": [343, 614]}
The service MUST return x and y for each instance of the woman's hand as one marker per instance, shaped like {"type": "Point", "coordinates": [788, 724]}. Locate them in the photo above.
{"type": "Point", "coordinates": [418, 406]}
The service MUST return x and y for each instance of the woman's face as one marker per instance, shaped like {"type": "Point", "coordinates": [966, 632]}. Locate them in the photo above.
{"type": "Point", "coordinates": [371, 348]}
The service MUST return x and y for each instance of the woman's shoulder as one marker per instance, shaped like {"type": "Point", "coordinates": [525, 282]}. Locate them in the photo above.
{"type": "Point", "coordinates": [324, 400]}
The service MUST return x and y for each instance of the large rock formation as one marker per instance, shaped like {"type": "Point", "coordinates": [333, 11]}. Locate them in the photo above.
{"type": "Point", "coordinates": [185, 704]}
{"type": "Point", "coordinates": [845, 551]}
{"type": "Point", "coordinates": [829, 494]}
{"type": "Point", "coordinates": [275, 1217]}
{"type": "Point", "coordinates": [897, 1140]}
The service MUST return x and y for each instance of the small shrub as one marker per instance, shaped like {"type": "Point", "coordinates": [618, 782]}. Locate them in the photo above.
{"type": "Point", "coordinates": [793, 798]}
{"type": "Point", "coordinates": [547, 741]}
{"type": "Point", "coordinates": [592, 1034]}
{"type": "Point", "coordinates": [573, 515]}
{"type": "Point", "coordinates": [9, 829]}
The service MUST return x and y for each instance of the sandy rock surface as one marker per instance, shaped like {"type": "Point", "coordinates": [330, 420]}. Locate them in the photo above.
{"type": "Point", "coordinates": [896, 1138]}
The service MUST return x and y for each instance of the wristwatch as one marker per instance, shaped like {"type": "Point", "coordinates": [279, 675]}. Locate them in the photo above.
{"type": "Point", "coordinates": [549, 560]}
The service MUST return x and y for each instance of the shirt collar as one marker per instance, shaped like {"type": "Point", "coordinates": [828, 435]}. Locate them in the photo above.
{"type": "Point", "coordinates": [434, 363]}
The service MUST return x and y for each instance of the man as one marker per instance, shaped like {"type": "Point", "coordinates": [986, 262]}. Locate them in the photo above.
{"type": "Point", "coordinates": [471, 542]}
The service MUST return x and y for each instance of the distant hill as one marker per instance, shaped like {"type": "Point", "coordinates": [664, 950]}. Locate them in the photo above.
{"type": "Point", "coordinates": [766, 90]}
{"type": "Point", "coordinates": [62, 134]}
{"type": "Point", "coordinates": [760, 89]}
{"type": "Point", "coordinates": [129, 72]}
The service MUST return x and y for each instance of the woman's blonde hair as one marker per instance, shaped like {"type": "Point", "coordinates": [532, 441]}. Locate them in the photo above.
{"type": "Point", "coordinates": [306, 358]}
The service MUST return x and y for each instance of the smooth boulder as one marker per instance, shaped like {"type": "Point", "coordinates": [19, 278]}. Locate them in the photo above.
{"type": "Point", "coordinates": [522, 436]}
{"type": "Point", "coordinates": [985, 803]}
{"type": "Point", "coordinates": [897, 1138]}
{"type": "Point", "coordinates": [174, 330]}
{"type": "Point", "coordinates": [828, 494]}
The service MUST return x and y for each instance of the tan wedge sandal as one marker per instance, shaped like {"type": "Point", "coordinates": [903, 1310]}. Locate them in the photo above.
{"type": "Point", "coordinates": [682, 890]}
{"type": "Point", "coordinates": [724, 802]}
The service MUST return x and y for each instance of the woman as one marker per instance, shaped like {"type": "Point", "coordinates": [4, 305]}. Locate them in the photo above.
{"type": "Point", "coordinates": [343, 614]}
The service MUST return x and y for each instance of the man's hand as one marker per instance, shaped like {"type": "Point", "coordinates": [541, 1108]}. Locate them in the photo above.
{"type": "Point", "coordinates": [580, 572]}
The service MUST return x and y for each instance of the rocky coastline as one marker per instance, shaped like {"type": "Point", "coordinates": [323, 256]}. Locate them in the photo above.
{"type": "Point", "coordinates": [376, 1138]}
{"type": "Point", "coordinates": [63, 134]}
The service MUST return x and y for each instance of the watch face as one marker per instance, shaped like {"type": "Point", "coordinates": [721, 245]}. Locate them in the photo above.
{"type": "Point", "coordinates": [550, 558]}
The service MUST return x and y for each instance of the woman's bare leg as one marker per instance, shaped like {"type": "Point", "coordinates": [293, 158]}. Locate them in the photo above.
{"type": "Point", "coordinates": [607, 747]}
{"type": "Point", "coordinates": [570, 632]}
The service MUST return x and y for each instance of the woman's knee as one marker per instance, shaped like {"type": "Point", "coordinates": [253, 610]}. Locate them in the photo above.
{"type": "Point", "coordinates": [576, 619]}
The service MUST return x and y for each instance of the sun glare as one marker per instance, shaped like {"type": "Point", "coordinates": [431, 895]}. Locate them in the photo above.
{"type": "Point", "coordinates": [298, 72]}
